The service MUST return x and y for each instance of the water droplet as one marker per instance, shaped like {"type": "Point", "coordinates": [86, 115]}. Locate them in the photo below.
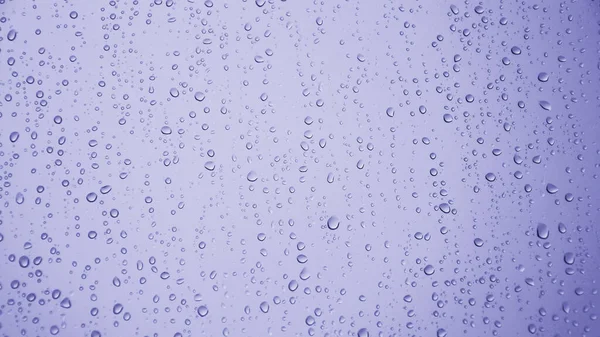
{"type": "Point", "coordinates": [91, 197]}
{"type": "Point", "coordinates": [19, 198]}
{"type": "Point", "coordinates": [363, 332]}
{"type": "Point", "coordinates": [545, 105]}
{"type": "Point", "coordinates": [333, 223]}
{"type": "Point", "coordinates": [202, 311]}
{"type": "Point", "coordinates": [478, 242]}
{"type": "Point", "coordinates": [543, 77]}
{"type": "Point", "coordinates": [14, 136]}
{"type": "Point", "coordinates": [209, 165]}
{"type": "Point", "coordinates": [569, 258]}
{"type": "Point", "coordinates": [390, 112]}
{"type": "Point", "coordinates": [252, 176]}
{"type": "Point", "coordinates": [199, 96]}
{"type": "Point", "coordinates": [551, 188]}
{"type": "Point", "coordinates": [264, 307]}
{"type": "Point", "coordinates": [24, 261]}
{"type": "Point", "coordinates": [117, 308]}
{"type": "Point", "coordinates": [166, 130]}
{"type": "Point", "coordinates": [65, 303]}
{"type": "Point", "coordinates": [12, 35]}
{"type": "Point", "coordinates": [542, 231]}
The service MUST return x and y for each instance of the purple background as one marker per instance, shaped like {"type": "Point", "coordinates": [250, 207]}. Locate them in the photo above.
{"type": "Point", "coordinates": [171, 157]}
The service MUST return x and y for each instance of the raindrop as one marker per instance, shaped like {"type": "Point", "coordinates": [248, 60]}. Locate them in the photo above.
{"type": "Point", "coordinates": [14, 136]}
{"type": "Point", "coordinates": [333, 223]}
{"type": "Point", "coordinates": [551, 188]}
{"type": "Point", "coordinates": [202, 311]}
{"type": "Point", "coordinates": [542, 231]}
{"type": "Point", "coordinates": [545, 105]}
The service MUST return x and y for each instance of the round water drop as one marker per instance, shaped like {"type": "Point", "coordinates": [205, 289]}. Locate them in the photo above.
{"type": "Point", "coordinates": [562, 228]}
{"type": "Point", "coordinates": [542, 231]}
{"type": "Point", "coordinates": [117, 308]}
{"type": "Point", "coordinates": [543, 77]}
{"type": "Point", "coordinates": [551, 188]}
{"type": "Point", "coordinates": [209, 165]}
{"type": "Point", "coordinates": [73, 15]}
{"type": "Point", "coordinates": [444, 207]}
{"type": "Point", "coordinates": [12, 35]}
{"type": "Point", "coordinates": [490, 177]}
{"type": "Point", "coordinates": [448, 118]}
{"type": "Point", "coordinates": [114, 213]}
{"type": "Point", "coordinates": [24, 261]}
{"type": "Point", "coordinates": [515, 50]}
{"type": "Point", "coordinates": [166, 130]}
{"type": "Point", "coordinates": [202, 311]}
{"type": "Point", "coordinates": [429, 270]}
{"type": "Point", "coordinates": [569, 258]}
{"type": "Point", "coordinates": [65, 303]}
{"type": "Point", "coordinates": [390, 112]}
{"type": "Point", "coordinates": [478, 242]}
{"type": "Point", "coordinates": [252, 176]}
{"type": "Point", "coordinates": [293, 285]}
{"type": "Point", "coordinates": [91, 197]}
{"type": "Point", "coordinates": [174, 92]}
{"type": "Point", "coordinates": [441, 333]}
{"type": "Point", "coordinates": [264, 307]}
{"type": "Point", "coordinates": [14, 136]}
{"type": "Point", "coordinates": [19, 198]}
{"type": "Point", "coordinates": [199, 96]}
{"type": "Point", "coordinates": [333, 223]}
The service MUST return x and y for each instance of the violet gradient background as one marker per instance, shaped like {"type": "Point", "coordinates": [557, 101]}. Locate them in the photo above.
{"type": "Point", "coordinates": [408, 187]}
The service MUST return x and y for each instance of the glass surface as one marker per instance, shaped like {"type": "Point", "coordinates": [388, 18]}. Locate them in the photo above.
{"type": "Point", "coordinates": [174, 168]}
